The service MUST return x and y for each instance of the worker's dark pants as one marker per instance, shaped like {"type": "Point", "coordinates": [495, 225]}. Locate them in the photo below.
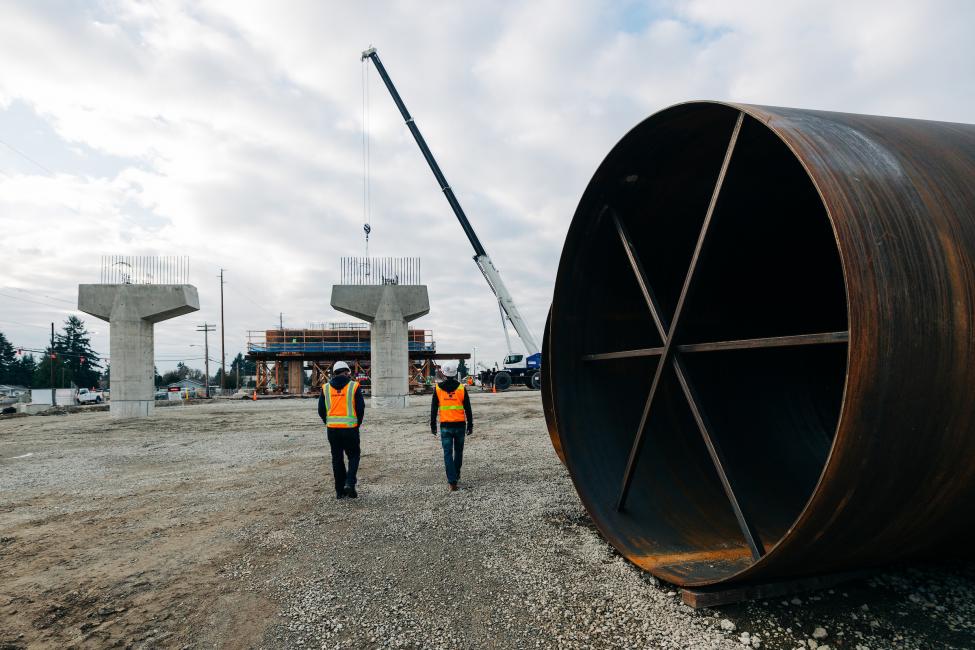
{"type": "Point", "coordinates": [344, 441]}
{"type": "Point", "coordinates": [452, 439]}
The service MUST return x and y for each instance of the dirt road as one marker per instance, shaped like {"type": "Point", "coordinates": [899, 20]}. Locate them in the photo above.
{"type": "Point", "coordinates": [216, 526]}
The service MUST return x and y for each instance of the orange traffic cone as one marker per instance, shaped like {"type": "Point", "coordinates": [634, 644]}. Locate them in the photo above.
{"type": "Point", "coordinates": [494, 388]}
{"type": "Point", "coordinates": [254, 395]}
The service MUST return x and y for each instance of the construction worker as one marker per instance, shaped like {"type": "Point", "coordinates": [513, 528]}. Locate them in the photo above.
{"type": "Point", "coordinates": [342, 407]}
{"type": "Point", "coordinates": [452, 403]}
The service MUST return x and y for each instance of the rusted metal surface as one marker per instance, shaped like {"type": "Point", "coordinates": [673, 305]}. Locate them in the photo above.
{"type": "Point", "coordinates": [789, 386]}
{"type": "Point", "coordinates": [547, 406]}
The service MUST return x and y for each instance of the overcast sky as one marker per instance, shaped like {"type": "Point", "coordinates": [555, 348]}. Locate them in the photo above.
{"type": "Point", "coordinates": [231, 132]}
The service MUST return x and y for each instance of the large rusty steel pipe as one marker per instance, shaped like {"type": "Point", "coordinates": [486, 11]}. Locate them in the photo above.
{"type": "Point", "coordinates": [548, 407]}
{"type": "Point", "coordinates": [761, 349]}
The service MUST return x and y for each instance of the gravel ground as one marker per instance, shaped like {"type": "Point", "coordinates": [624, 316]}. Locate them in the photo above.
{"type": "Point", "coordinates": [216, 525]}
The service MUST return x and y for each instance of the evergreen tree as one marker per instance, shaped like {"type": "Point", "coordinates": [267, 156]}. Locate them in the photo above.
{"type": "Point", "coordinates": [8, 360]}
{"type": "Point", "coordinates": [236, 365]}
{"type": "Point", "coordinates": [42, 370]}
{"type": "Point", "coordinates": [246, 366]}
{"type": "Point", "coordinates": [24, 369]}
{"type": "Point", "coordinates": [79, 362]}
{"type": "Point", "coordinates": [73, 359]}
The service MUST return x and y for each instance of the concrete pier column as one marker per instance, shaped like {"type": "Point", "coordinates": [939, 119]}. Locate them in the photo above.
{"type": "Point", "coordinates": [131, 311]}
{"type": "Point", "coordinates": [296, 377]}
{"type": "Point", "coordinates": [389, 308]}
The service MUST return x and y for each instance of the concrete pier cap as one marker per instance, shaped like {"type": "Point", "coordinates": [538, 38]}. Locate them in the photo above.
{"type": "Point", "coordinates": [131, 311]}
{"type": "Point", "coordinates": [388, 308]}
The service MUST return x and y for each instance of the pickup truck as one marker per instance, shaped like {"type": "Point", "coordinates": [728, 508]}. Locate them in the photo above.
{"type": "Point", "coordinates": [86, 396]}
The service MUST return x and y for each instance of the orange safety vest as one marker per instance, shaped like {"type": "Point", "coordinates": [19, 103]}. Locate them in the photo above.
{"type": "Point", "coordinates": [451, 405]}
{"type": "Point", "coordinates": [340, 406]}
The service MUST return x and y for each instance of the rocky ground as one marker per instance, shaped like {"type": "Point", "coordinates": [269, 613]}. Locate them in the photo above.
{"type": "Point", "coordinates": [216, 526]}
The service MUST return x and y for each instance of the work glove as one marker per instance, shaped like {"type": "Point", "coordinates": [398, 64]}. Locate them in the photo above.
{"type": "Point", "coordinates": [433, 431]}
{"type": "Point", "coordinates": [470, 432]}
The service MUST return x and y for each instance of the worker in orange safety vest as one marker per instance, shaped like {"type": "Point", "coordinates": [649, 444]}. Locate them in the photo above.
{"type": "Point", "coordinates": [341, 407]}
{"type": "Point", "coordinates": [452, 404]}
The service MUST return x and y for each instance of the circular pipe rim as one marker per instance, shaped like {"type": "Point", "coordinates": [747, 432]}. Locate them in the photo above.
{"type": "Point", "coordinates": [756, 568]}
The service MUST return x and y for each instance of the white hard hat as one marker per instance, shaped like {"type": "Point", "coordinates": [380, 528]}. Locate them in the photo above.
{"type": "Point", "coordinates": [449, 369]}
{"type": "Point", "coordinates": [339, 365]}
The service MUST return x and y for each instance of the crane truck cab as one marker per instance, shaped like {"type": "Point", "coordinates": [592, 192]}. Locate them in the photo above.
{"type": "Point", "coordinates": [519, 369]}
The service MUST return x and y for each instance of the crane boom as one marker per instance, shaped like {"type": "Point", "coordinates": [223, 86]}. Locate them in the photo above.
{"type": "Point", "coordinates": [481, 258]}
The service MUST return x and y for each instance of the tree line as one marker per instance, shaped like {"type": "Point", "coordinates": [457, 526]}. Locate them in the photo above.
{"type": "Point", "coordinates": [75, 363]}
{"type": "Point", "coordinates": [182, 371]}
{"type": "Point", "coordinates": [71, 358]}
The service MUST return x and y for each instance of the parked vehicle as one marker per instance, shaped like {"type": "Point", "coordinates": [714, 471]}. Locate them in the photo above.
{"type": "Point", "coordinates": [86, 396]}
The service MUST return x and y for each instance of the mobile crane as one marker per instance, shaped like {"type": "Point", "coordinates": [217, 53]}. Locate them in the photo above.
{"type": "Point", "coordinates": [518, 368]}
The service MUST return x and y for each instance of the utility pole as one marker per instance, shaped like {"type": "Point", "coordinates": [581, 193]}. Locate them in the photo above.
{"type": "Point", "coordinates": [281, 322]}
{"type": "Point", "coordinates": [206, 328]}
{"type": "Point", "coordinates": [223, 341]}
{"type": "Point", "coordinates": [54, 398]}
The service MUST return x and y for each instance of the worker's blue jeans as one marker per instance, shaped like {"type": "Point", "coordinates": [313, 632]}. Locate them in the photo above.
{"type": "Point", "coordinates": [452, 439]}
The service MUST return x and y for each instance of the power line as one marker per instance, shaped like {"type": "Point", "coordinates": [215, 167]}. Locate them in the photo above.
{"type": "Point", "coordinates": [44, 295]}
{"type": "Point", "coordinates": [36, 302]}
{"type": "Point", "coordinates": [62, 353]}
{"type": "Point", "coordinates": [245, 297]}
{"type": "Point", "coordinates": [125, 218]}
{"type": "Point", "coordinates": [26, 157]}
{"type": "Point", "coordinates": [14, 322]}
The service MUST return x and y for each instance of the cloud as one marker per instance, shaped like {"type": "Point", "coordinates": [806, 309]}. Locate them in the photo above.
{"type": "Point", "coordinates": [231, 132]}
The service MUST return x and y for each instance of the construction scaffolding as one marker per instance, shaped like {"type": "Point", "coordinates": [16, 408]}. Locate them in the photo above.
{"type": "Point", "coordinates": [332, 337]}
{"type": "Point", "coordinates": [282, 356]}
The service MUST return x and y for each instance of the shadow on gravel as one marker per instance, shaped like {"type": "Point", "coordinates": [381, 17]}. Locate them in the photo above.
{"type": "Point", "coordinates": [909, 606]}
{"type": "Point", "coordinates": [916, 606]}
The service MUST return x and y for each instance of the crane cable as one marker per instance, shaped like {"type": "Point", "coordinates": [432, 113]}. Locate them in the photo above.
{"type": "Point", "coordinates": [366, 159]}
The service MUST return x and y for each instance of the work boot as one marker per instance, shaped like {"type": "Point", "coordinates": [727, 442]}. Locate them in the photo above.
{"type": "Point", "coordinates": [340, 495]}
{"type": "Point", "coordinates": [350, 492]}
{"type": "Point", "coordinates": [452, 487]}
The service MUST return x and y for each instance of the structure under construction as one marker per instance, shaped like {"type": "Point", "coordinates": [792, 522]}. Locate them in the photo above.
{"type": "Point", "coordinates": [283, 355]}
